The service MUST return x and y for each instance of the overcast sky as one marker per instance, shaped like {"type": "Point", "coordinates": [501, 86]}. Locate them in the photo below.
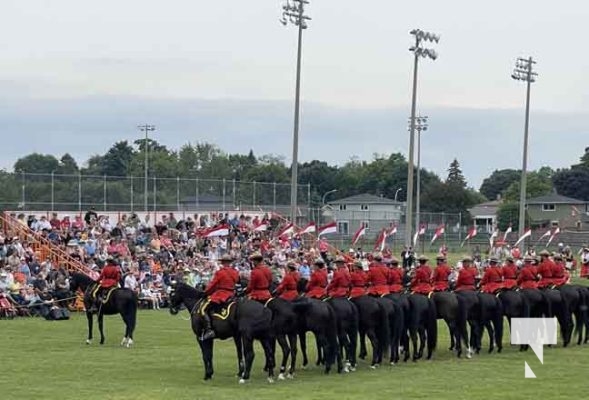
{"type": "Point", "coordinates": [87, 72]}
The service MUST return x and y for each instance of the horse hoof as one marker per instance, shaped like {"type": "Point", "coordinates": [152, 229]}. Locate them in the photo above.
{"type": "Point", "coordinates": [241, 381]}
{"type": "Point", "coordinates": [347, 370]}
{"type": "Point", "coordinates": [281, 377]}
{"type": "Point", "coordinates": [124, 341]}
{"type": "Point", "coordinates": [290, 376]}
{"type": "Point", "coordinates": [270, 380]}
{"type": "Point", "coordinates": [352, 369]}
{"type": "Point", "coordinates": [393, 363]}
{"type": "Point", "coordinates": [499, 349]}
{"type": "Point", "coordinates": [88, 341]}
{"type": "Point", "coordinates": [129, 343]}
{"type": "Point", "coordinates": [373, 367]}
{"type": "Point", "coordinates": [304, 367]}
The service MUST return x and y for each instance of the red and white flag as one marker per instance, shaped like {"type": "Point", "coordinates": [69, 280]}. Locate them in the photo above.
{"type": "Point", "coordinates": [493, 236]}
{"type": "Point", "coordinates": [380, 241]}
{"type": "Point", "coordinates": [507, 232]}
{"type": "Point", "coordinates": [359, 233]}
{"type": "Point", "coordinates": [471, 233]}
{"type": "Point", "coordinates": [327, 229]}
{"type": "Point", "coordinates": [556, 232]}
{"type": "Point", "coordinates": [523, 237]}
{"type": "Point", "coordinates": [221, 230]}
{"type": "Point", "coordinates": [439, 232]}
{"type": "Point", "coordinates": [286, 230]}
{"type": "Point", "coordinates": [419, 232]}
{"type": "Point", "coordinates": [548, 233]}
{"type": "Point", "coordinates": [311, 228]}
{"type": "Point", "coordinates": [392, 230]}
{"type": "Point", "coordinates": [261, 228]}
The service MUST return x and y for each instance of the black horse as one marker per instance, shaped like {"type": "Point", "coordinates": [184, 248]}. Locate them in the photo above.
{"type": "Point", "coordinates": [491, 318]}
{"type": "Point", "coordinates": [423, 322]}
{"type": "Point", "coordinates": [374, 323]}
{"type": "Point", "coordinates": [319, 317]}
{"type": "Point", "coordinates": [447, 309]}
{"type": "Point", "coordinates": [119, 301]}
{"type": "Point", "coordinates": [347, 331]}
{"type": "Point", "coordinates": [285, 325]}
{"type": "Point", "coordinates": [469, 312]}
{"type": "Point", "coordinates": [245, 320]}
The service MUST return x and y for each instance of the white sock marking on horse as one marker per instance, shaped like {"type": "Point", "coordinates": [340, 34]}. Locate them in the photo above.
{"type": "Point", "coordinates": [270, 380]}
{"type": "Point", "coordinates": [241, 381]}
{"type": "Point", "coordinates": [129, 342]}
{"type": "Point", "coordinates": [281, 377]}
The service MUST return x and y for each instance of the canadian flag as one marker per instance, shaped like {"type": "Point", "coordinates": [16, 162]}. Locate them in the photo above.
{"type": "Point", "coordinates": [546, 234]}
{"type": "Point", "coordinates": [526, 234]}
{"type": "Point", "coordinates": [221, 230]}
{"type": "Point", "coordinates": [507, 232]}
{"type": "Point", "coordinates": [471, 233]}
{"type": "Point", "coordinates": [286, 230]}
{"type": "Point", "coordinates": [327, 229]}
{"type": "Point", "coordinates": [311, 228]}
{"type": "Point", "coordinates": [439, 232]}
{"type": "Point", "coordinates": [359, 233]}
{"type": "Point", "coordinates": [380, 241]}
{"type": "Point", "coordinates": [422, 229]}
{"type": "Point", "coordinates": [493, 236]}
{"type": "Point", "coordinates": [261, 228]}
{"type": "Point", "coordinates": [556, 232]}
{"type": "Point", "coordinates": [392, 230]}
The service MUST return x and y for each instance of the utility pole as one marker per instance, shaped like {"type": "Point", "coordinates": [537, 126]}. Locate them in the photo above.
{"type": "Point", "coordinates": [146, 128]}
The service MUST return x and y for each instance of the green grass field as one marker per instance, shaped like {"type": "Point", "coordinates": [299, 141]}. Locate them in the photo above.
{"type": "Point", "coordinates": [49, 360]}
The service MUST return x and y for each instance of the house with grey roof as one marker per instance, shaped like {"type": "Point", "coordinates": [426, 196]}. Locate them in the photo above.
{"type": "Point", "coordinates": [484, 215]}
{"type": "Point", "coordinates": [373, 212]}
{"type": "Point", "coordinates": [556, 210]}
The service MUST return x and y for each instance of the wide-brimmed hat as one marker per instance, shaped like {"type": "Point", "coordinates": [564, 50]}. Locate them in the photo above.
{"type": "Point", "coordinates": [256, 255]}
{"type": "Point", "coordinates": [377, 256]}
{"type": "Point", "coordinates": [467, 259]}
{"type": "Point", "coordinates": [422, 258]}
{"type": "Point", "coordinates": [509, 259]}
{"type": "Point", "coordinates": [358, 264]}
{"type": "Point", "coordinates": [226, 258]}
{"type": "Point", "coordinates": [291, 265]}
{"type": "Point", "coordinates": [394, 261]}
{"type": "Point", "coordinates": [319, 261]}
{"type": "Point", "coordinates": [558, 256]}
{"type": "Point", "coordinates": [545, 253]}
{"type": "Point", "coordinates": [493, 260]}
{"type": "Point", "coordinates": [440, 257]}
{"type": "Point", "coordinates": [339, 260]}
{"type": "Point", "coordinates": [529, 259]}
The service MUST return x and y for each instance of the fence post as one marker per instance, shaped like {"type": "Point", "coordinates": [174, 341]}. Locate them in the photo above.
{"type": "Point", "coordinates": [154, 197]}
{"type": "Point", "coordinates": [274, 198]}
{"type": "Point", "coordinates": [308, 198]}
{"type": "Point", "coordinates": [52, 191]}
{"type": "Point", "coordinates": [104, 194]}
{"type": "Point", "coordinates": [234, 194]}
{"type": "Point", "coordinates": [254, 195]}
{"type": "Point", "coordinates": [24, 185]}
{"type": "Point", "coordinates": [80, 192]}
{"type": "Point", "coordinates": [196, 193]}
{"type": "Point", "coordinates": [224, 194]}
{"type": "Point", "coordinates": [131, 193]}
{"type": "Point", "coordinates": [178, 193]}
{"type": "Point", "coordinates": [460, 227]}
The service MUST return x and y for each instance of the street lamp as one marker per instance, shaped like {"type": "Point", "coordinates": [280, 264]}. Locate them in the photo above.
{"type": "Point", "coordinates": [146, 128]}
{"type": "Point", "coordinates": [418, 51]}
{"type": "Point", "coordinates": [420, 125]}
{"type": "Point", "coordinates": [397, 192]}
{"type": "Point", "coordinates": [327, 194]}
{"type": "Point", "coordinates": [294, 12]}
{"type": "Point", "coordinates": [523, 72]}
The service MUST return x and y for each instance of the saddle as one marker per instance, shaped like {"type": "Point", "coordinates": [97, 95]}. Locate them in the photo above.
{"type": "Point", "coordinates": [222, 312]}
{"type": "Point", "coordinates": [105, 295]}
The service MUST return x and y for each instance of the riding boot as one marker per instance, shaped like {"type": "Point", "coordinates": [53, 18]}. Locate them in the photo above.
{"type": "Point", "coordinates": [208, 332]}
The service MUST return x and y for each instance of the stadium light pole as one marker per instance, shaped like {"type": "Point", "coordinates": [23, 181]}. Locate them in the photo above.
{"type": "Point", "coordinates": [418, 51]}
{"type": "Point", "coordinates": [293, 11]}
{"type": "Point", "coordinates": [523, 71]}
{"type": "Point", "coordinates": [327, 194]}
{"type": "Point", "coordinates": [420, 125]}
{"type": "Point", "coordinates": [146, 128]}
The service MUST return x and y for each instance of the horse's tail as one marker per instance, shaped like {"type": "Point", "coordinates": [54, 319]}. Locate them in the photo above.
{"type": "Point", "coordinates": [384, 333]}
{"type": "Point", "coordinates": [432, 325]}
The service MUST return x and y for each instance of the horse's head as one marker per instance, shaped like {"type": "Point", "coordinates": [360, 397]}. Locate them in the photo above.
{"type": "Point", "coordinates": [182, 294]}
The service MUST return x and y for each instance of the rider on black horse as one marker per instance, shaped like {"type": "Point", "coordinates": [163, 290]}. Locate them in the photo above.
{"type": "Point", "coordinates": [421, 282]}
{"type": "Point", "coordinates": [110, 276]}
{"type": "Point", "coordinates": [441, 275]}
{"type": "Point", "coordinates": [219, 290]}
{"type": "Point", "coordinates": [258, 287]}
{"type": "Point", "coordinates": [340, 284]}
{"type": "Point", "coordinates": [287, 289]}
{"type": "Point", "coordinates": [492, 281]}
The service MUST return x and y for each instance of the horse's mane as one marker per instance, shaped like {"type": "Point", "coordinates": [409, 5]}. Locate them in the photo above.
{"type": "Point", "coordinates": [82, 278]}
{"type": "Point", "coordinates": [188, 290]}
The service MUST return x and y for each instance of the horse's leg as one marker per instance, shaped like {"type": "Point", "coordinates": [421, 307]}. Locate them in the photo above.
{"type": "Point", "coordinates": [303, 339]}
{"type": "Point", "coordinates": [491, 333]}
{"type": "Point", "coordinates": [413, 335]}
{"type": "Point", "coordinates": [101, 326]}
{"type": "Point", "coordinates": [292, 338]}
{"type": "Point", "coordinates": [285, 353]}
{"type": "Point", "coordinates": [206, 348]}
{"type": "Point", "coordinates": [451, 331]}
{"type": "Point", "coordinates": [90, 326]}
{"type": "Point", "coordinates": [239, 350]}
{"type": "Point", "coordinates": [320, 353]}
{"type": "Point", "coordinates": [248, 353]}
{"type": "Point", "coordinates": [363, 351]}
{"type": "Point", "coordinates": [422, 340]}
{"type": "Point", "coordinates": [353, 346]}
{"type": "Point", "coordinates": [376, 347]}
{"type": "Point", "coordinates": [269, 344]}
